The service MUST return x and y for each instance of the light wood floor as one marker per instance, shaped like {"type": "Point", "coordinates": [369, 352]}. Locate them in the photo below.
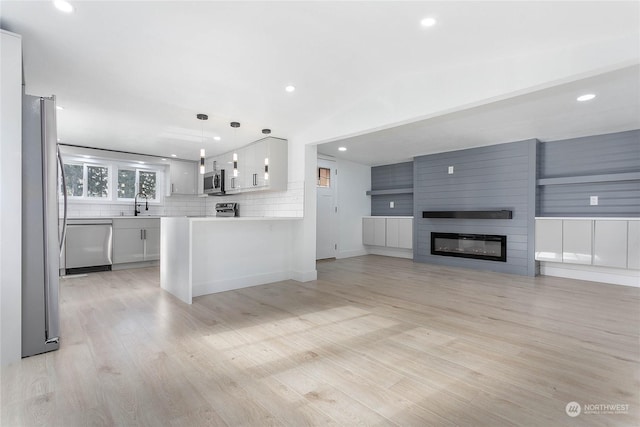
{"type": "Point", "coordinates": [375, 341]}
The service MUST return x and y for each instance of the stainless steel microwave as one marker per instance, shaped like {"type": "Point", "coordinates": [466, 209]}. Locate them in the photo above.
{"type": "Point", "coordinates": [214, 183]}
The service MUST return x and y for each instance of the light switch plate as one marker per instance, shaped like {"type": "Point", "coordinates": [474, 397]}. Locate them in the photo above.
{"type": "Point", "coordinates": [593, 200]}
{"type": "Point", "coordinates": [450, 170]}
{"type": "Point", "coordinates": [392, 205]}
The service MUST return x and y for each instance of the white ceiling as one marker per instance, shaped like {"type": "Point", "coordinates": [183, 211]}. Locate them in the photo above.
{"type": "Point", "coordinates": [549, 115]}
{"type": "Point", "coordinates": [133, 75]}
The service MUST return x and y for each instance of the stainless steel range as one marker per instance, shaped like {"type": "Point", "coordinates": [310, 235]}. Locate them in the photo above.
{"type": "Point", "coordinates": [227, 209]}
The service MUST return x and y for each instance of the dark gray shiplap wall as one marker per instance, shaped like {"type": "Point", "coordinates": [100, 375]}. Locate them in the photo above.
{"type": "Point", "coordinates": [388, 177]}
{"type": "Point", "coordinates": [593, 155]}
{"type": "Point", "coordinates": [486, 178]}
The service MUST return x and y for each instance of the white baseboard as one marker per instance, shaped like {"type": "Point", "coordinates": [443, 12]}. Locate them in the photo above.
{"type": "Point", "coordinates": [394, 252]}
{"type": "Point", "coordinates": [350, 254]}
{"type": "Point", "coordinates": [304, 276]}
{"type": "Point", "coordinates": [239, 282]}
{"type": "Point", "coordinates": [615, 276]}
{"type": "Point", "coordinates": [141, 264]}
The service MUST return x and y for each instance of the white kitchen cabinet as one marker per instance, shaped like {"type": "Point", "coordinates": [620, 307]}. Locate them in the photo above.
{"type": "Point", "coordinates": [577, 236]}
{"type": "Point", "coordinates": [633, 245]}
{"type": "Point", "coordinates": [399, 233]}
{"type": "Point", "coordinates": [261, 165]}
{"type": "Point", "coordinates": [548, 240]}
{"type": "Point", "coordinates": [183, 176]}
{"type": "Point", "coordinates": [374, 231]}
{"type": "Point", "coordinates": [136, 240]}
{"type": "Point", "coordinates": [610, 243]}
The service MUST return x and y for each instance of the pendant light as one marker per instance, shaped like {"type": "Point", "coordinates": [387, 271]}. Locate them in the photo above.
{"type": "Point", "coordinates": [202, 118]}
{"type": "Point", "coordinates": [235, 126]}
{"type": "Point", "coordinates": [266, 159]}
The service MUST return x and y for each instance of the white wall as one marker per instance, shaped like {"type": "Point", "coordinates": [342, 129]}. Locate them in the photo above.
{"type": "Point", "coordinates": [354, 180]}
{"type": "Point", "coordinates": [10, 197]}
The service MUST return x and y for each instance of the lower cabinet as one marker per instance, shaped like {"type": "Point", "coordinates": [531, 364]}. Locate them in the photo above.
{"type": "Point", "coordinates": [389, 232]}
{"type": "Point", "coordinates": [136, 240]}
{"type": "Point", "coordinates": [374, 231]}
{"type": "Point", "coordinates": [601, 242]}
{"type": "Point", "coordinates": [400, 233]}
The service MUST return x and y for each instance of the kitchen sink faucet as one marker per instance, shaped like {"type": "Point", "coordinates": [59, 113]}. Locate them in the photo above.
{"type": "Point", "coordinates": [136, 212]}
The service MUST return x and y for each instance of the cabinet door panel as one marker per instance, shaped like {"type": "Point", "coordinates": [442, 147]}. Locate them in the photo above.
{"type": "Point", "coordinates": [405, 233]}
{"type": "Point", "coordinates": [183, 177]}
{"type": "Point", "coordinates": [393, 232]}
{"type": "Point", "coordinates": [128, 245]}
{"type": "Point", "coordinates": [367, 231]}
{"type": "Point", "coordinates": [549, 240]}
{"type": "Point", "coordinates": [379, 231]}
{"type": "Point", "coordinates": [152, 244]}
{"type": "Point", "coordinates": [633, 243]}
{"type": "Point", "coordinates": [610, 243]}
{"type": "Point", "coordinates": [576, 241]}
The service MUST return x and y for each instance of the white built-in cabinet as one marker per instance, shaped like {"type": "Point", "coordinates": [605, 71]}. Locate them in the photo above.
{"type": "Point", "coordinates": [549, 240]}
{"type": "Point", "coordinates": [576, 241]}
{"type": "Point", "coordinates": [374, 231]}
{"type": "Point", "coordinates": [600, 242]}
{"type": "Point", "coordinates": [610, 243]}
{"type": "Point", "coordinates": [136, 240]}
{"type": "Point", "coordinates": [392, 232]}
{"type": "Point", "coordinates": [183, 177]}
{"type": "Point", "coordinates": [633, 245]}
{"type": "Point", "coordinates": [261, 165]}
{"type": "Point", "coordinates": [400, 233]}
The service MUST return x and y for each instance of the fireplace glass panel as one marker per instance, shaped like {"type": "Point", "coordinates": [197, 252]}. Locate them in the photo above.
{"type": "Point", "coordinates": [479, 246]}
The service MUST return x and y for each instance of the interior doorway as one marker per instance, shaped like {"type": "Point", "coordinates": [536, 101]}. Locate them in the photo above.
{"type": "Point", "coordinates": [327, 209]}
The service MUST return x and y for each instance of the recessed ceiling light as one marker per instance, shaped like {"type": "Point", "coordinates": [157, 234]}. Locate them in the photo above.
{"type": "Point", "coordinates": [63, 6]}
{"type": "Point", "coordinates": [216, 138]}
{"type": "Point", "coordinates": [86, 156]}
{"type": "Point", "coordinates": [290, 88]}
{"type": "Point", "coordinates": [428, 22]}
{"type": "Point", "coordinates": [59, 139]}
{"type": "Point", "coordinates": [585, 97]}
{"type": "Point", "coordinates": [164, 160]}
{"type": "Point", "coordinates": [59, 107]}
{"type": "Point", "coordinates": [342, 149]}
{"type": "Point", "coordinates": [174, 155]}
{"type": "Point", "coordinates": [142, 163]}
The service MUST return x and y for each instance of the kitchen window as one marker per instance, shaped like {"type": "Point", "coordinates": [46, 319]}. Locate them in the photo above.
{"type": "Point", "coordinates": [87, 181]}
{"type": "Point", "coordinates": [93, 180]}
{"type": "Point", "coordinates": [134, 181]}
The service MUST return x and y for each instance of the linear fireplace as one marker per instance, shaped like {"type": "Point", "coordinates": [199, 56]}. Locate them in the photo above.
{"type": "Point", "coordinates": [478, 246]}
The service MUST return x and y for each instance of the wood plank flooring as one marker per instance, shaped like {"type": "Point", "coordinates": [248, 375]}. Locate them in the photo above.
{"type": "Point", "coordinates": [375, 341]}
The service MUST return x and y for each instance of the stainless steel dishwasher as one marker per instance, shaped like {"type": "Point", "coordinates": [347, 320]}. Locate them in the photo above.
{"type": "Point", "coordinates": [88, 245]}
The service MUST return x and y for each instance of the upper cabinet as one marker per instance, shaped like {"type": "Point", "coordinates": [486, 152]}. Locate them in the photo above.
{"type": "Point", "coordinates": [183, 177]}
{"type": "Point", "coordinates": [262, 165]}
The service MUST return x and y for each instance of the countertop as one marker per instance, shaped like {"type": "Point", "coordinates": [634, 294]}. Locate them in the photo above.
{"type": "Point", "coordinates": [236, 218]}
{"type": "Point", "coordinates": [195, 218]}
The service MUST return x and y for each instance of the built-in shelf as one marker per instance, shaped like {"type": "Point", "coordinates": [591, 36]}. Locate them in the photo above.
{"type": "Point", "coordinates": [390, 191]}
{"type": "Point", "coordinates": [498, 214]}
{"type": "Point", "coordinates": [583, 179]}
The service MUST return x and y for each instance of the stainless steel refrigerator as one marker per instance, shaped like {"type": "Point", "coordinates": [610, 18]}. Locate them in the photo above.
{"type": "Point", "coordinates": [41, 237]}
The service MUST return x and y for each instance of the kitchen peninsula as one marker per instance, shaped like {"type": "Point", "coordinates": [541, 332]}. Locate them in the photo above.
{"type": "Point", "coordinates": [205, 255]}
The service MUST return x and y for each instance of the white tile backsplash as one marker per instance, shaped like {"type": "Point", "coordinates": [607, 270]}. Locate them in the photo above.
{"type": "Point", "coordinates": [288, 203]}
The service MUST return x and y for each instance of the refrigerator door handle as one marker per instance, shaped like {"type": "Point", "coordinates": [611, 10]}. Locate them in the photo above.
{"type": "Point", "coordinates": [64, 198]}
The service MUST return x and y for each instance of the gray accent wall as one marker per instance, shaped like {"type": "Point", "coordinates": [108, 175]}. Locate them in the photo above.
{"type": "Point", "coordinates": [486, 178]}
{"type": "Point", "coordinates": [391, 177]}
{"type": "Point", "coordinates": [602, 157]}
